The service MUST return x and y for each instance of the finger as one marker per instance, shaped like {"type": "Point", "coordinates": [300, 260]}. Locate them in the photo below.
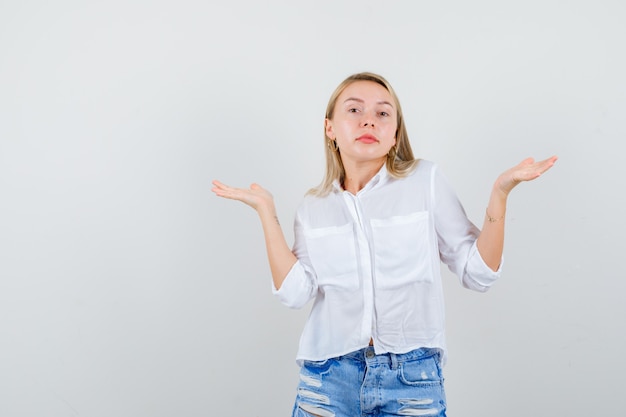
{"type": "Point", "coordinates": [546, 164]}
{"type": "Point", "coordinates": [224, 190]}
{"type": "Point", "coordinates": [220, 185]}
{"type": "Point", "coordinates": [231, 194]}
{"type": "Point", "coordinates": [227, 189]}
{"type": "Point", "coordinates": [526, 162]}
{"type": "Point", "coordinates": [220, 191]}
{"type": "Point", "coordinates": [535, 171]}
{"type": "Point", "coordinates": [550, 162]}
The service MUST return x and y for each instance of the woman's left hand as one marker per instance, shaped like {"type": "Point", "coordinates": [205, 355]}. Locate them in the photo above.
{"type": "Point", "coordinates": [527, 170]}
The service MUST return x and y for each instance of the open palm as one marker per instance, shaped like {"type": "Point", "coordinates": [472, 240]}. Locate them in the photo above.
{"type": "Point", "coordinates": [527, 170]}
{"type": "Point", "coordinates": [256, 196]}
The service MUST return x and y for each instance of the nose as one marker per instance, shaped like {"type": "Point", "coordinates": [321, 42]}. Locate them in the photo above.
{"type": "Point", "coordinates": [367, 120]}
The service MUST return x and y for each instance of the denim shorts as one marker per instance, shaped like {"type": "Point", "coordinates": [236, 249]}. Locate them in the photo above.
{"type": "Point", "coordinates": [363, 384]}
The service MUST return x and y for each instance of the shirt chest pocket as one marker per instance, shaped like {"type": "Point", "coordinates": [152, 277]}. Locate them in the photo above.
{"type": "Point", "coordinates": [332, 253]}
{"type": "Point", "coordinates": [402, 250]}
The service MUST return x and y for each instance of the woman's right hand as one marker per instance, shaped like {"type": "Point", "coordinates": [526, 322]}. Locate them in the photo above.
{"type": "Point", "coordinates": [256, 196]}
{"type": "Point", "coordinates": [279, 254]}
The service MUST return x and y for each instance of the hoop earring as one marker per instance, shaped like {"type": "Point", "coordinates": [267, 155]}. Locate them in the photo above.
{"type": "Point", "coordinates": [332, 145]}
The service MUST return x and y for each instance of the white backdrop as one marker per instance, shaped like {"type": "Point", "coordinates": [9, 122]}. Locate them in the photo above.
{"type": "Point", "coordinates": [127, 289]}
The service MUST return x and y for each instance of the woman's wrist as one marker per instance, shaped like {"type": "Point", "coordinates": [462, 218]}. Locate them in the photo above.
{"type": "Point", "coordinates": [267, 211]}
{"type": "Point", "coordinates": [499, 192]}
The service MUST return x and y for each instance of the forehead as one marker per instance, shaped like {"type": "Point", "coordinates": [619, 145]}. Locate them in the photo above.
{"type": "Point", "coordinates": [365, 91]}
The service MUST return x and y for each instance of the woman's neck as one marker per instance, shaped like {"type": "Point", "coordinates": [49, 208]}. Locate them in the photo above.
{"type": "Point", "coordinates": [358, 175]}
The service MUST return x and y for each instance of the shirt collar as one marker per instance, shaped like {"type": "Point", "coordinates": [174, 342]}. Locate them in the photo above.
{"type": "Point", "coordinates": [380, 178]}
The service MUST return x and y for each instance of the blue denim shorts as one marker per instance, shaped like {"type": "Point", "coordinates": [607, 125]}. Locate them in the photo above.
{"type": "Point", "coordinates": [362, 383]}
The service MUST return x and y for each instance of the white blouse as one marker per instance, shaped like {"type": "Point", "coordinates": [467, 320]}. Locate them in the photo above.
{"type": "Point", "coordinates": [372, 263]}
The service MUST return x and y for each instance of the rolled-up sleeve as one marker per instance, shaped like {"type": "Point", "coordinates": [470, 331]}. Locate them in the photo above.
{"type": "Point", "coordinates": [300, 284]}
{"type": "Point", "coordinates": [478, 276]}
{"type": "Point", "coordinates": [456, 237]}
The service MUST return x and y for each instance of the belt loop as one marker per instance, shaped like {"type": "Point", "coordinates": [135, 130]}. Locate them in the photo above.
{"type": "Point", "coordinates": [394, 361]}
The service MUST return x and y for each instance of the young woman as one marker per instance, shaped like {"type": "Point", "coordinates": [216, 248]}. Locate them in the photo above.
{"type": "Point", "coordinates": [368, 244]}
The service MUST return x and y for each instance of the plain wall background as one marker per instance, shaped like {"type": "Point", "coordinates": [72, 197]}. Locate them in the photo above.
{"type": "Point", "coordinates": [128, 289]}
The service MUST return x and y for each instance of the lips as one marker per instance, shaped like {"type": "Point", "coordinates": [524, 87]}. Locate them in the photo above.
{"type": "Point", "coordinates": [367, 139]}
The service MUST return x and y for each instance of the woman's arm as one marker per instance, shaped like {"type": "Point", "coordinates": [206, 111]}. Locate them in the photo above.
{"type": "Point", "coordinates": [490, 243]}
{"type": "Point", "coordinates": [279, 254]}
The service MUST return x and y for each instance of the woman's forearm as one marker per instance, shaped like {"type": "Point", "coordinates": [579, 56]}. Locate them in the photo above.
{"type": "Point", "coordinates": [280, 256]}
{"type": "Point", "coordinates": [491, 239]}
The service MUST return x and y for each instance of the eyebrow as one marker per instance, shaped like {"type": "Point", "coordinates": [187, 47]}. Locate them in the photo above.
{"type": "Point", "coordinates": [362, 101]}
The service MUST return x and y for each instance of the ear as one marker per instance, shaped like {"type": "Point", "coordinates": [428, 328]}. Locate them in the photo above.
{"type": "Point", "coordinates": [328, 127]}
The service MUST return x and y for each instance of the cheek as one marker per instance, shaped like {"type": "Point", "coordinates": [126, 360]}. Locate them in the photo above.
{"type": "Point", "coordinates": [343, 129]}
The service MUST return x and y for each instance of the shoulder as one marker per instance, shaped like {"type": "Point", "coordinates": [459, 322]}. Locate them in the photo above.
{"type": "Point", "coordinates": [424, 170]}
{"type": "Point", "coordinates": [425, 165]}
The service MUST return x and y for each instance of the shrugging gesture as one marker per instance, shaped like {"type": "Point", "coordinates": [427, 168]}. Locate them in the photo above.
{"type": "Point", "coordinates": [371, 251]}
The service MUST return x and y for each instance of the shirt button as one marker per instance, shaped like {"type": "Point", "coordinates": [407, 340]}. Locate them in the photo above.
{"type": "Point", "coordinates": [369, 354]}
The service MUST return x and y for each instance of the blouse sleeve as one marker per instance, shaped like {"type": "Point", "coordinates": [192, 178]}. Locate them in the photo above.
{"type": "Point", "coordinates": [456, 236]}
{"type": "Point", "coordinates": [300, 285]}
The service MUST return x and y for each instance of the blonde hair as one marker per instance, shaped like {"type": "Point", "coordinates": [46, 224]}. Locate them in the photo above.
{"type": "Point", "coordinates": [399, 163]}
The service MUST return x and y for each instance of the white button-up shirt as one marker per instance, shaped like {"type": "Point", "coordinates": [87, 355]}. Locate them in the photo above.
{"type": "Point", "coordinates": [372, 261]}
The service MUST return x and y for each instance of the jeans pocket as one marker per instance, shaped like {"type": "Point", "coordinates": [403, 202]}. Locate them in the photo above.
{"type": "Point", "coordinates": [421, 371]}
{"type": "Point", "coordinates": [316, 368]}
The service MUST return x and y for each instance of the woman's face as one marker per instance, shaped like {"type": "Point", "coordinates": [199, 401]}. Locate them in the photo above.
{"type": "Point", "coordinates": [364, 122]}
